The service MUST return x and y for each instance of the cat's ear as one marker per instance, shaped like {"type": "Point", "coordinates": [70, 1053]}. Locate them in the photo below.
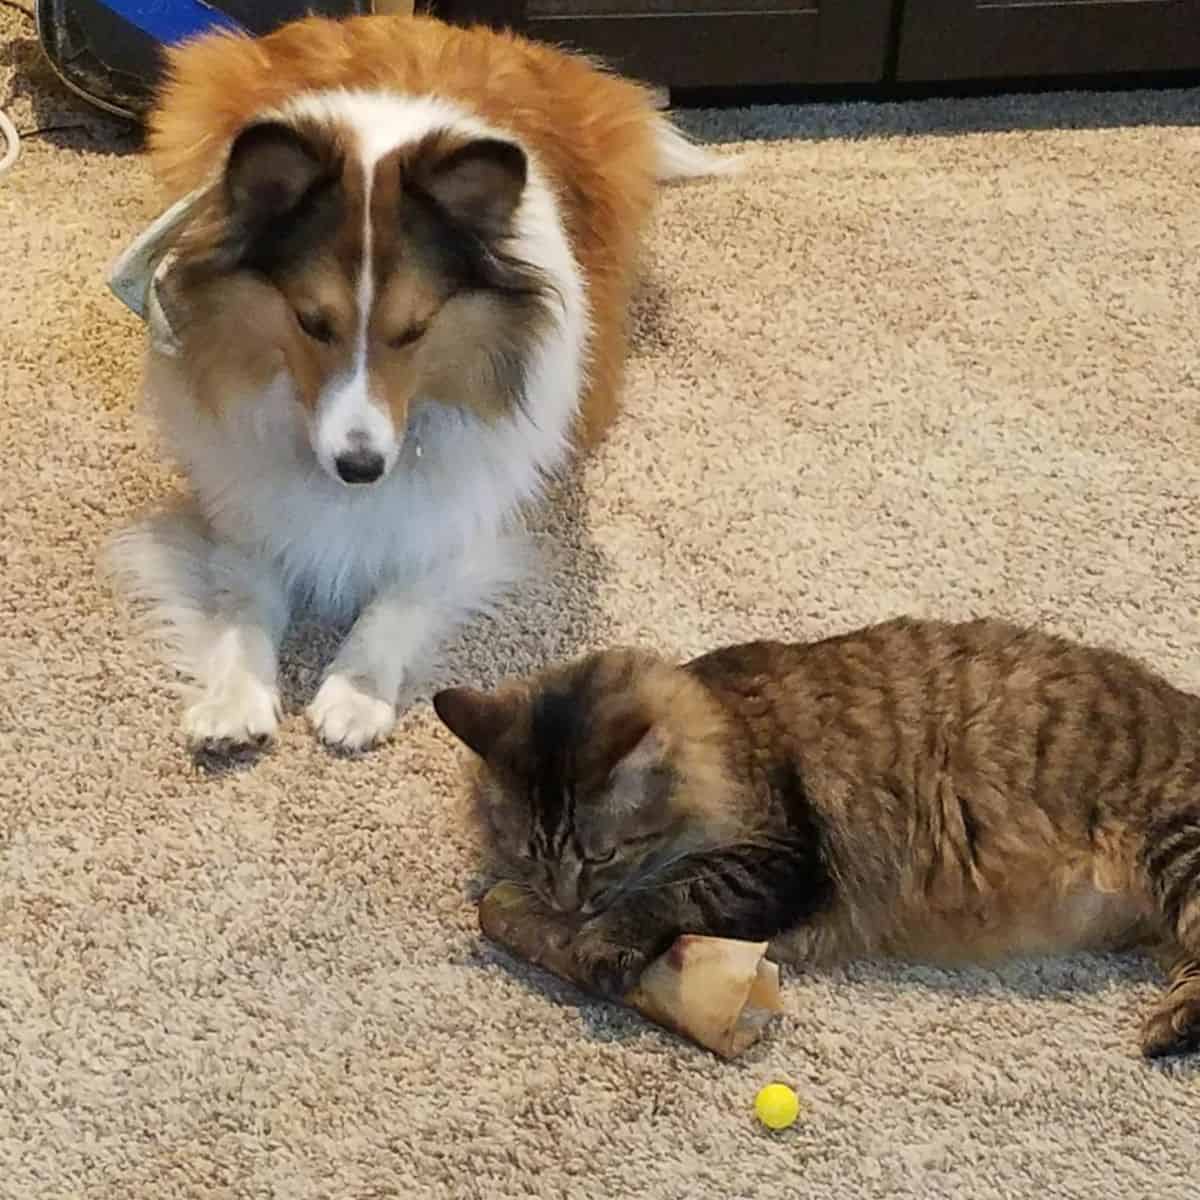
{"type": "Point", "coordinates": [641, 775]}
{"type": "Point", "coordinates": [646, 749]}
{"type": "Point", "coordinates": [478, 719]}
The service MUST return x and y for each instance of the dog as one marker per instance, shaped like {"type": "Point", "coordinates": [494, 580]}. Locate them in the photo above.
{"type": "Point", "coordinates": [391, 306]}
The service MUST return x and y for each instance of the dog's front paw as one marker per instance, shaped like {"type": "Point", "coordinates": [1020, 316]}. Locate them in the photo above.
{"type": "Point", "coordinates": [347, 718]}
{"type": "Point", "coordinates": [237, 716]}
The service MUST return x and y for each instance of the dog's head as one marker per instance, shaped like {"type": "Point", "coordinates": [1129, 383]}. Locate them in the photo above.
{"type": "Point", "coordinates": [375, 272]}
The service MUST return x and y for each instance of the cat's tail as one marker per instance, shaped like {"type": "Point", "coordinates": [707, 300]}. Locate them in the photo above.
{"type": "Point", "coordinates": [681, 158]}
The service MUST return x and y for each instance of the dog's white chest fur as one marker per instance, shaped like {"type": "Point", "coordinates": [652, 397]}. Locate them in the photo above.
{"type": "Point", "coordinates": [259, 487]}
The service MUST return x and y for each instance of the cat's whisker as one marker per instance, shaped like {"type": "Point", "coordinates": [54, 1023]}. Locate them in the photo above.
{"type": "Point", "coordinates": [657, 879]}
{"type": "Point", "coordinates": [683, 881]}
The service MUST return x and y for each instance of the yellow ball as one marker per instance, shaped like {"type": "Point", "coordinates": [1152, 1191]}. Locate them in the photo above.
{"type": "Point", "coordinates": [777, 1106]}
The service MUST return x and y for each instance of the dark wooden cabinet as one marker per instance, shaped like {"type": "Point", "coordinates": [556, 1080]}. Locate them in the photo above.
{"type": "Point", "coordinates": [998, 39]}
{"type": "Point", "coordinates": [698, 44]}
{"type": "Point", "coordinates": [706, 43]}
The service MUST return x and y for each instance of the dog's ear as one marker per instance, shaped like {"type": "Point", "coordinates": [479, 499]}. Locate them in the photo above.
{"type": "Point", "coordinates": [478, 719]}
{"type": "Point", "coordinates": [279, 194]}
{"type": "Point", "coordinates": [270, 169]}
{"type": "Point", "coordinates": [477, 184]}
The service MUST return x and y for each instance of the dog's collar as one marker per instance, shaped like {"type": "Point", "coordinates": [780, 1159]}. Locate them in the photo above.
{"type": "Point", "coordinates": [137, 274]}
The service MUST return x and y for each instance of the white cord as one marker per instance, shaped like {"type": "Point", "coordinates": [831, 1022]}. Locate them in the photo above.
{"type": "Point", "coordinates": [8, 131]}
{"type": "Point", "coordinates": [12, 139]}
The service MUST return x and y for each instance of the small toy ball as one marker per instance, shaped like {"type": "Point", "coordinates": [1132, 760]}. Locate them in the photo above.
{"type": "Point", "coordinates": [777, 1106]}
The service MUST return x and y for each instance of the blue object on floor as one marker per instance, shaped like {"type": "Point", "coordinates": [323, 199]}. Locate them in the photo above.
{"type": "Point", "coordinates": [170, 21]}
{"type": "Point", "coordinates": [110, 51]}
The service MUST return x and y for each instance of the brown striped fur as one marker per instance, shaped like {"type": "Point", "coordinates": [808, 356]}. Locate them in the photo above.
{"type": "Point", "coordinates": [916, 789]}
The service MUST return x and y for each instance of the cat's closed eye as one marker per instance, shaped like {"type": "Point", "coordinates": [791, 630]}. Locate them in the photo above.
{"type": "Point", "coordinates": [641, 839]}
{"type": "Point", "coordinates": [626, 845]}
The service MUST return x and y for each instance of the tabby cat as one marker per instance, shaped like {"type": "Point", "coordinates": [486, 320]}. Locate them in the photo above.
{"type": "Point", "coordinates": [916, 789]}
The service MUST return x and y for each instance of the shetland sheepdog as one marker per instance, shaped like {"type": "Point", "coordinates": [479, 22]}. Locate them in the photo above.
{"type": "Point", "coordinates": [398, 307]}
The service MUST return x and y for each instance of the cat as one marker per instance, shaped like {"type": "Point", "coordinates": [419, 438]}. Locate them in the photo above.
{"type": "Point", "coordinates": [915, 789]}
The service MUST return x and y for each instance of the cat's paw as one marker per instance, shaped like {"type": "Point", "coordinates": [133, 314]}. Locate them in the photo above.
{"type": "Point", "coordinates": [347, 718]}
{"type": "Point", "coordinates": [606, 965]}
{"type": "Point", "coordinates": [233, 719]}
{"type": "Point", "coordinates": [1174, 1025]}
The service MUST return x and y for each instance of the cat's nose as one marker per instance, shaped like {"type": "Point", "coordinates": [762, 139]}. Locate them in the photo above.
{"type": "Point", "coordinates": [566, 892]}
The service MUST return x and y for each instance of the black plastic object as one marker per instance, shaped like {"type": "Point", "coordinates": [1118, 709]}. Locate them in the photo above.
{"type": "Point", "coordinates": [110, 52]}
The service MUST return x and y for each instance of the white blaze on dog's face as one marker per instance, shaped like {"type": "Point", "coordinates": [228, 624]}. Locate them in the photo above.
{"type": "Point", "coordinates": [372, 277]}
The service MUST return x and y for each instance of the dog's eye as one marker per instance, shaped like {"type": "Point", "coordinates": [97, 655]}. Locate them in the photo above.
{"type": "Point", "coordinates": [406, 337]}
{"type": "Point", "coordinates": [317, 327]}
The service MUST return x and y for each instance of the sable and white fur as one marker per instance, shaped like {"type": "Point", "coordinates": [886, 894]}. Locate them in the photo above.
{"type": "Point", "coordinates": [531, 156]}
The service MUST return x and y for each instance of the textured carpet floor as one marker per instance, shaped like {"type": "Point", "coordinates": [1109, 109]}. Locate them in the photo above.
{"type": "Point", "coordinates": [936, 358]}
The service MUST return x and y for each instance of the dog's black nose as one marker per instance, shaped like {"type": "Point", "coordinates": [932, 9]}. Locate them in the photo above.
{"type": "Point", "coordinates": [359, 466]}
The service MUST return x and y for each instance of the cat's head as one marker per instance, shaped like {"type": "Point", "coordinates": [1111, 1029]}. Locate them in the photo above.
{"type": "Point", "coordinates": [596, 774]}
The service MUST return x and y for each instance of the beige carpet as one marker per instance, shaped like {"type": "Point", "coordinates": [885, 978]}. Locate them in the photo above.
{"type": "Point", "coordinates": [940, 358]}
